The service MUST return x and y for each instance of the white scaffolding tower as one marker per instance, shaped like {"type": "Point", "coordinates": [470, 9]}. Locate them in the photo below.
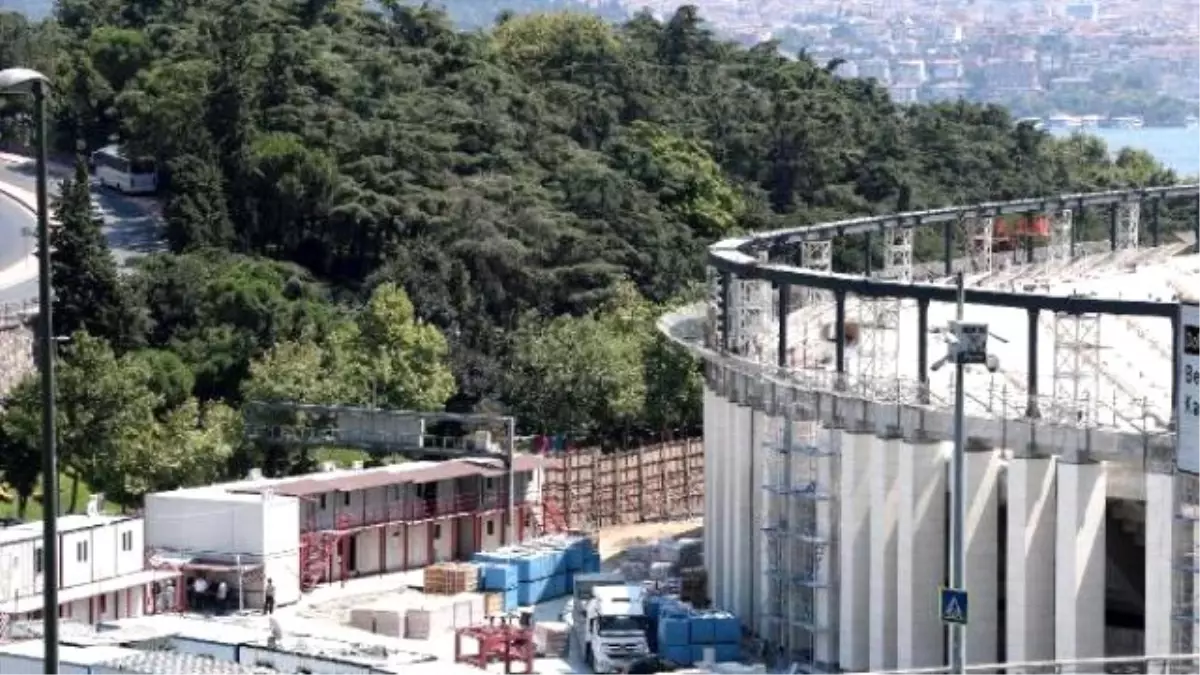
{"type": "Point", "coordinates": [751, 310]}
{"type": "Point", "coordinates": [977, 238]}
{"type": "Point", "coordinates": [816, 256]}
{"type": "Point", "coordinates": [1076, 367]}
{"type": "Point", "coordinates": [799, 526]}
{"type": "Point", "coordinates": [715, 331]}
{"type": "Point", "coordinates": [1185, 584]}
{"type": "Point", "coordinates": [879, 319]}
{"type": "Point", "coordinates": [1062, 225]}
{"type": "Point", "coordinates": [1128, 225]}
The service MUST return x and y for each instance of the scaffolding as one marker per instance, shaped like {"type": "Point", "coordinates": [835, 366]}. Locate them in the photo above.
{"type": "Point", "coordinates": [1062, 227]}
{"type": "Point", "coordinates": [1185, 585]}
{"type": "Point", "coordinates": [977, 237]}
{"type": "Point", "coordinates": [1076, 367]}
{"type": "Point", "coordinates": [879, 318]}
{"type": "Point", "coordinates": [818, 257]}
{"type": "Point", "coordinates": [715, 330]}
{"type": "Point", "coordinates": [753, 306]}
{"type": "Point", "coordinates": [1128, 225]}
{"type": "Point", "coordinates": [799, 525]}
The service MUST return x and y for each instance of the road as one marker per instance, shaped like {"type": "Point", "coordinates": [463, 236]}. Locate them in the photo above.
{"type": "Point", "coordinates": [131, 228]}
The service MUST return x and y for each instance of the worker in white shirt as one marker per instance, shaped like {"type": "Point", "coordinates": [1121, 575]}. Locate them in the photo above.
{"type": "Point", "coordinates": [199, 589]}
{"type": "Point", "coordinates": [222, 595]}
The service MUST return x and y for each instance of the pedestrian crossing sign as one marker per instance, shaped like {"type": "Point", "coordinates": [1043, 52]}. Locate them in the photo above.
{"type": "Point", "coordinates": [953, 603]}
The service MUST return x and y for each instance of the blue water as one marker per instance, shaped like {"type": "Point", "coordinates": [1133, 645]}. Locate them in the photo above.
{"type": "Point", "coordinates": [1176, 147]}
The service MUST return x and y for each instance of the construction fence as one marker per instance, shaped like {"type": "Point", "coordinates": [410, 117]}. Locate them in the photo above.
{"type": "Point", "coordinates": [590, 489]}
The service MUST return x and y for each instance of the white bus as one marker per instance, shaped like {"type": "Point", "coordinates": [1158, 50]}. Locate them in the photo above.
{"type": "Point", "coordinates": [130, 177]}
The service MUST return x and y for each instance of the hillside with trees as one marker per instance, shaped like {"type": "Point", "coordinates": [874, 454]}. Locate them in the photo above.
{"type": "Point", "coordinates": [375, 207]}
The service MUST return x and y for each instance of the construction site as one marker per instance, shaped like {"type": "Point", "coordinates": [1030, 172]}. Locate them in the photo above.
{"type": "Point", "coordinates": [829, 435]}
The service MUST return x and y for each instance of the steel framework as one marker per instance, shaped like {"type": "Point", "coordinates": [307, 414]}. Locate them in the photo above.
{"type": "Point", "coordinates": [1128, 228]}
{"type": "Point", "coordinates": [816, 256]}
{"type": "Point", "coordinates": [751, 314]}
{"type": "Point", "coordinates": [977, 239]}
{"type": "Point", "coordinates": [1062, 227]}
{"type": "Point", "coordinates": [1077, 366]}
{"type": "Point", "coordinates": [1185, 585]}
{"type": "Point", "coordinates": [800, 481]}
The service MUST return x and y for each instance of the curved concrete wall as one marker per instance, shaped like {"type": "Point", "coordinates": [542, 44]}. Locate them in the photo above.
{"type": "Point", "coordinates": [884, 522]}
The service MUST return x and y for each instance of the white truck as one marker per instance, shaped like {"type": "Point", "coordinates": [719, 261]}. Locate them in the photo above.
{"type": "Point", "coordinates": [608, 622]}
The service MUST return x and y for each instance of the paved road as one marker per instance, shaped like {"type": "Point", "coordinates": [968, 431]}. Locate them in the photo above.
{"type": "Point", "coordinates": [12, 219]}
{"type": "Point", "coordinates": [130, 228]}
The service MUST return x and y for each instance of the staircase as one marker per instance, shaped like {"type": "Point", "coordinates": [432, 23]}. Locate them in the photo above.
{"type": "Point", "coordinates": [316, 553]}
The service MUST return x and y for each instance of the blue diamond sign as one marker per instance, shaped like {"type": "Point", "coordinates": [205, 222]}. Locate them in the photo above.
{"type": "Point", "coordinates": [953, 604]}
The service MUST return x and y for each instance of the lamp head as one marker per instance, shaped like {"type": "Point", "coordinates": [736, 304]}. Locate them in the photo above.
{"type": "Point", "coordinates": [20, 80]}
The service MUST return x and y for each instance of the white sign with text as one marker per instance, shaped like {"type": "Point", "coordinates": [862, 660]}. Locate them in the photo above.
{"type": "Point", "coordinates": [1187, 437]}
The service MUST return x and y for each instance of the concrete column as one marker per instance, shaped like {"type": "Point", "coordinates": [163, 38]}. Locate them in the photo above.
{"type": "Point", "coordinates": [713, 433]}
{"type": "Point", "coordinates": [1160, 561]}
{"type": "Point", "coordinates": [1029, 582]}
{"type": "Point", "coordinates": [854, 555]}
{"type": "Point", "coordinates": [733, 509]}
{"type": "Point", "coordinates": [920, 554]}
{"type": "Point", "coordinates": [1079, 562]}
{"type": "Point", "coordinates": [983, 551]}
{"type": "Point", "coordinates": [884, 501]}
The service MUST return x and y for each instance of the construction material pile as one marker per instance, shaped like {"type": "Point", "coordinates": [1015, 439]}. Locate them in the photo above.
{"type": "Point", "coordinates": [693, 586]}
{"type": "Point", "coordinates": [683, 633]}
{"type": "Point", "coordinates": [552, 638]}
{"type": "Point", "coordinates": [418, 616]}
{"type": "Point", "coordinates": [537, 571]}
{"type": "Point", "coordinates": [451, 578]}
{"type": "Point", "coordinates": [661, 559]}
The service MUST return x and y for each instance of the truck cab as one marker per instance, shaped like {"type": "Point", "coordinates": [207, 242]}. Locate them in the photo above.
{"type": "Point", "coordinates": [610, 623]}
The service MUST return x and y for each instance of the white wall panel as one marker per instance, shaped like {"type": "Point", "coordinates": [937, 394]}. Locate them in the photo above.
{"type": "Point", "coordinates": [920, 554]}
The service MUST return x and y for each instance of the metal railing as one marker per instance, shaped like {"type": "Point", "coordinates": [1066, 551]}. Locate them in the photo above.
{"type": "Point", "coordinates": [414, 511]}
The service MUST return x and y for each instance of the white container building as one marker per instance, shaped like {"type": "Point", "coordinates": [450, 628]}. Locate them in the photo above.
{"type": "Point", "coordinates": [102, 569]}
{"type": "Point", "coordinates": [338, 523]}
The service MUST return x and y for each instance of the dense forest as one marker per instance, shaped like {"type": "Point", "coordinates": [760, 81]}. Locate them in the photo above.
{"type": "Point", "coordinates": [373, 207]}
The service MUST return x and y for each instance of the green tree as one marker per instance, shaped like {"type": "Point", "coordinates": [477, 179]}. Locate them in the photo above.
{"type": "Point", "coordinates": [195, 213]}
{"type": "Point", "coordinates": [88, 293]}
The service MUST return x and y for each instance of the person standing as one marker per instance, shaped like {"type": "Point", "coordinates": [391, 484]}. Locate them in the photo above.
{"type": "Point", "coordinates": [222, 595]}
{"type": "Point", "coordinates": [269, 598]}
{"type": "Point", "coordinates": [200, 590]}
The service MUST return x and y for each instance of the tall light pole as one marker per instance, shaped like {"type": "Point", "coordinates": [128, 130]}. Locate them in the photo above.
{"type": "Point", "coordinates": [966, 345]}
{"type": "Point", "coordinates": [24, 80]}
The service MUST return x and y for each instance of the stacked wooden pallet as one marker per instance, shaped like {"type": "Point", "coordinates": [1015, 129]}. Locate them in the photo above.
{"type": "Point", "coordinates": [551, 637]}
{"type": "Point", "coordinates": [451, 578]}
{"type": "Point", "coordinates": [493, 603]}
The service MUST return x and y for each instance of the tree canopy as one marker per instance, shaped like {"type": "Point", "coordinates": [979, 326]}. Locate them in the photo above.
{"type": "Point", "coordinates": [370, 206]}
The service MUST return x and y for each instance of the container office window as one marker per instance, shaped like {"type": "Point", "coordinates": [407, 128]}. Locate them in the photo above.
{"type": "Point", "coordinates": [126, 541]}
{"type": "Point", "coordinates": [491, 528]}
{"type": "Point", "coordinates": [346, 498]}
{"type": "Point", "coordinates": [38, 561]}
{"type": "Point", "coordinates": [437, 531]}
{"type": "Point", "coordinates": [81, 551]}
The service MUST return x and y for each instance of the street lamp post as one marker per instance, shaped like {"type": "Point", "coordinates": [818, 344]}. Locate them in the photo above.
{"type": "Point", "coordinates": [24, 80]}
{"type": "Point", "coordinates": [966, 345]}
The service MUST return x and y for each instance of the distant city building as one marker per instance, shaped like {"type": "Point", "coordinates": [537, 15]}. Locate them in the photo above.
{"type": "Point", "coordinates": [1082, 11]}
{"type": "Point", "coordinates": [878, 69]}
{"type": "Point", "coordinates": [911, 72]}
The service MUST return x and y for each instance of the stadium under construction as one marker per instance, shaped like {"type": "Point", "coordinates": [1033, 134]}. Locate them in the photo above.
{"type": "Point", "coordinates": [828, 429]}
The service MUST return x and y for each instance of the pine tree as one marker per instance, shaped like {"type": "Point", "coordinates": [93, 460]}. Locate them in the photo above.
{"type": "Point", "coordinates": [195, 211]}
{"type": "Point", "coordinates": [88, 293]}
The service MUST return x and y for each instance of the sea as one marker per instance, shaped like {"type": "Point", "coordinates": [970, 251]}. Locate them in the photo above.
{"type": "Point", "coordinates": [1177, 148]}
